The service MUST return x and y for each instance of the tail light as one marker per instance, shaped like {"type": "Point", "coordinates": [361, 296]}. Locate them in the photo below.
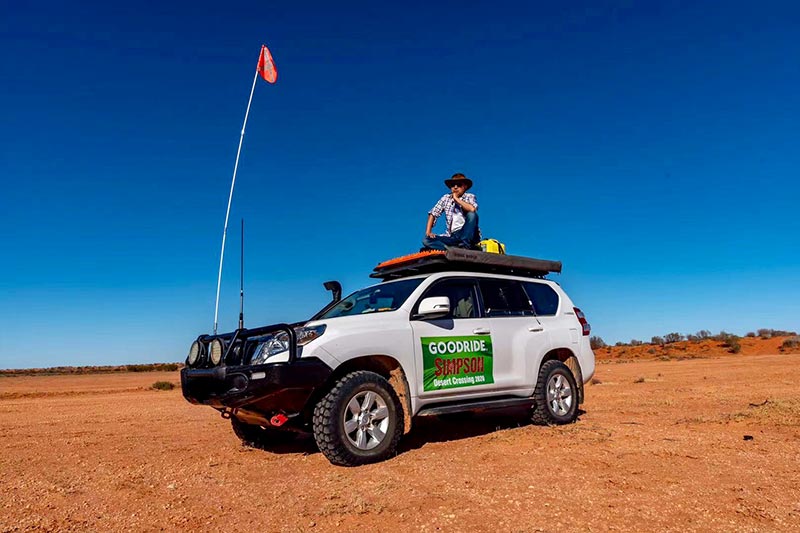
{"type": "Point", "coordinates": [582, 319]}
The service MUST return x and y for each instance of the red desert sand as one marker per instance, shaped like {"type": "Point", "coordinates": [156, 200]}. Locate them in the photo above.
{"type": "Point", "coordinates": [687, 439]}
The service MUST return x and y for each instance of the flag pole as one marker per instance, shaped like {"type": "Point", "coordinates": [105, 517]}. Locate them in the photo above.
{"type": "Point", "coordinates": [230, 197]}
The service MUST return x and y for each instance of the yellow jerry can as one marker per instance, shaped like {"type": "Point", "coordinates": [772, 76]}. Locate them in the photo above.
{"type": "Point", "coordinates": [493, 246]}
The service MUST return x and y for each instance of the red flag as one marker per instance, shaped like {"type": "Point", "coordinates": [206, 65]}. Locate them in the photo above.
{"type": "Point", "coordinates": [266, 66]}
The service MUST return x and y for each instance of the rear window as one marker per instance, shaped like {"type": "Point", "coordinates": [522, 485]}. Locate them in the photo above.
{"type": "Point", "coordinates": [504, 297]}
{"type": "Point", "coordinates": [377, 299]}
{"type": "Point", "coordinates": [543, 298]}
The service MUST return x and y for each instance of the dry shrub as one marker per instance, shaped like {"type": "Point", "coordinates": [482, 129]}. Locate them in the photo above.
{"type": "Point", "coordinates": [730, 341]}
{"type": "Point", "coordinates": [162, 385]}
{"type": "Point", "coordinates": [780, 412]}
{"type": "Point", "coordinates": [154, 367]}
{"type": "Point", "coordinates": [673, 337]}
{"type": "Point", "coordinates": [791, 343]}
{"type": "Point", "coordinates": [597, 342]}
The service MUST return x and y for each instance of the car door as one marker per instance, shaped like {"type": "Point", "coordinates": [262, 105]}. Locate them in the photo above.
{"type": "Point", "coordinates": [453, 354]}
{"type": "Point", "coordinates": [561, 326]}
{"type": "Point", "coordinates": [519, 339]}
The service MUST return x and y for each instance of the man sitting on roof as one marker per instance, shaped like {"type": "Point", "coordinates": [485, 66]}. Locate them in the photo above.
{"type": "Point", "coordinates": [460, 209]}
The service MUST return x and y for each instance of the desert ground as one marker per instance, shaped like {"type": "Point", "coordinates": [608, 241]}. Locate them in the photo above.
{"type": "Point", "coordinates": [663, 444]}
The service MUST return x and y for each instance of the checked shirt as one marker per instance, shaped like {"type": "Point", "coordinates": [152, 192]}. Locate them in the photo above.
{"type": "Point", "coordinates": [448, 206]}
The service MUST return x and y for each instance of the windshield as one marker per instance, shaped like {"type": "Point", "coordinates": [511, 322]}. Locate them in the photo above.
{"type": "Point", "coordinates": [377, 299]}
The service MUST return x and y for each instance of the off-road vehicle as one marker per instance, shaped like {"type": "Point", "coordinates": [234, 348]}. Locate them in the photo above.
{"type": "Point", "coordinates": [443, 332]}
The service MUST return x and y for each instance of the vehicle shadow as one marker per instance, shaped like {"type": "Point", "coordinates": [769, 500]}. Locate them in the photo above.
{"type": "Point", "coordinates": [457, 426]}
{"type": "Point", "coordinates": [425, 430]}
{"type": "Point", "coordinates": [465, 425]}
{"type": "Point", "coordinates": [302, 443]}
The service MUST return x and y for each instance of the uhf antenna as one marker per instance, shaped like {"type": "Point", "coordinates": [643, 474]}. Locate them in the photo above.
{"type": "Point", "coordinates": [241, 283]}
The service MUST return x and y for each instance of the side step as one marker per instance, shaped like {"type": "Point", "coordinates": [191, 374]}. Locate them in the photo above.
{"type": "Point", "coordinates": [478, 405]}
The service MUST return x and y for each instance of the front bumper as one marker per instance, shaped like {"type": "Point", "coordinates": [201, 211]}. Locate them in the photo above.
{"type": "Point", "coordinates": [264, 389]}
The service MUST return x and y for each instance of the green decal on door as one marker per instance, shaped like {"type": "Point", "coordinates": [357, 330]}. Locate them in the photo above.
{"type": "Point", "coordinates": [452, 362]}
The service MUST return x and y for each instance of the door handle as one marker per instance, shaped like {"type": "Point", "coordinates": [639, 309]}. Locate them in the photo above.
{"type": "Point", "coordinates": [481, 331]}
{"type": "Point", "coordinates": [535, 328]}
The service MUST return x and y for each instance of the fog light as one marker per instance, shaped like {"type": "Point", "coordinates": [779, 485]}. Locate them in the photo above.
{"type": "Point", "coordinates": [194, 354]}
{"type": "Point", "coordinates": [217, 348]}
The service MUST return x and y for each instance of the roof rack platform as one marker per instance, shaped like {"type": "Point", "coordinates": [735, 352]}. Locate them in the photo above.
{"type": "Point", "coordinates": [463, 260]}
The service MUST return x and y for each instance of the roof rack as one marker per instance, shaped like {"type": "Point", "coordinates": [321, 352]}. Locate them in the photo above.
{"type": "Point", "coordinates": [462, 259]}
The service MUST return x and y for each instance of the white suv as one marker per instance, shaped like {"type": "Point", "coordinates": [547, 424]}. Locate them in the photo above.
{"type": "Point", "coordinates": [444, 332]}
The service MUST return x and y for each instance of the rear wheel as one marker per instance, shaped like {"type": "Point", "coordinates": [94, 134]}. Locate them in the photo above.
{"type": "Point", "coordinates": [359, 421]}
{"type": "Point", "coordinates": [259, 436]}
{"type": "Point", "coordinates": [556, 395]}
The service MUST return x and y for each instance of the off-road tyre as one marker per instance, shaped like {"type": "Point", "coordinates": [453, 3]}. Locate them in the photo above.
{"type": "Point", "coordinates": [328, 422]}
{"type": "Point", "coordinates": [260, 437]}
{"type": "Point", "coordinates": [559, 408]}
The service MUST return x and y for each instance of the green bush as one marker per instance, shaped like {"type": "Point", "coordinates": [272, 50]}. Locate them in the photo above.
{"type": "Point", "coordinates": [731, 341]}
{"type": "Point", "coordinates": [162, 385]}
{"type": "Point", "coordinates": [657, 340]}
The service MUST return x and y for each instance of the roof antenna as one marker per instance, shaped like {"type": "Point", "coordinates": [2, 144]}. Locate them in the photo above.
{"type": "Point", "coordinates": [241, 283]}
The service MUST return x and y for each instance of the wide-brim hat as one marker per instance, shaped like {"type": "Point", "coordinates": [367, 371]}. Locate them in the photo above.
{"type": "Point", "coordinates": [460, 179]}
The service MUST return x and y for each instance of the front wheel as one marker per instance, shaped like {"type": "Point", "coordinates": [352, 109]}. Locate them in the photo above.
{"type": "Point", "coordinates": [359, 421]}
{"type": "Point", "coordinates": [556, 395]}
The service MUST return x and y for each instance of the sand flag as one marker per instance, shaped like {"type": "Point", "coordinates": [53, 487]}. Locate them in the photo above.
{"type": "Point", "coordinates": [266, 69]}
{"type": "Point", "coordinates": [266, 66]}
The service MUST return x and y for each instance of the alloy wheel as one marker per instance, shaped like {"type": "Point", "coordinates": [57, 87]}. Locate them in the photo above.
{"type": "Point", "coordinates": [366, 420]}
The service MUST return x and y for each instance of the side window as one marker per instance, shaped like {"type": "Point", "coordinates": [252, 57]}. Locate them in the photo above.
{"type": "Point", "coordinates": [461, 292]}
{"type": "Point", "coordinates": [543, 297]}
{"type": "Point", "coordinates": [504, 297]}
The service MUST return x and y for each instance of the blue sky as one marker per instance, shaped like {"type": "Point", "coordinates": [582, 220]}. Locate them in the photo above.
{"type": "Point", "coordinates": [652, 147]}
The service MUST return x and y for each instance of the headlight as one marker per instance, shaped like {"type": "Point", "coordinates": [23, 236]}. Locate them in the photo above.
{"type": "Point", "coordinates": [194, 354]}
{"type": "Point", "coordinates": [279, 343]}
{"type": "Point", "coordinates": [269, 346]}
{"type": "Point", "coordinates": [216, 349]}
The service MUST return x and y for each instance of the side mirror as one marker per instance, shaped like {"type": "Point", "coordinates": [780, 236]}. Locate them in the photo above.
{"type": "Point", "coordinates": [434, 307]}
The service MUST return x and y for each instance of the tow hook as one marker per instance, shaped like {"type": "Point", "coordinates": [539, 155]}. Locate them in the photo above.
{"type": "Point", "coordinates": [227, 413]}
{"type": "Point", "coordinates": [278, 420]}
